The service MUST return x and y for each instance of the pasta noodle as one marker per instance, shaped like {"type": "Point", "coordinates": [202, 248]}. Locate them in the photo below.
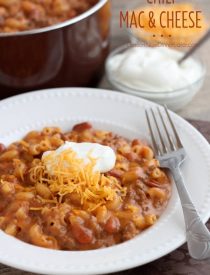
{"type": "Point", "coordinates": [77, 208]}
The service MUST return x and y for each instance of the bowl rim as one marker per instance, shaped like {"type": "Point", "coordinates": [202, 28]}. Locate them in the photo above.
{"type": "Point", "coordinates": [61, 25]}
{"type": "Point", "coordinates": [147, 92]}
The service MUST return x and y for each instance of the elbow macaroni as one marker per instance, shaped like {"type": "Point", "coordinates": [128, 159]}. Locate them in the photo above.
{"type": "Point", "coordinates": [33, 212]}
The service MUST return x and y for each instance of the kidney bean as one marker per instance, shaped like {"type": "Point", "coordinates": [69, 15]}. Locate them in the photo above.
{"type": "Point", "coordinates": [82, 234]}
{"type": "Point", "coordinates": [116, 173]}
{"type": "Point", "coordinates": [153, 183]}
{"type": "Point", "coordinates": [82, 127]}
{"type": "Point", "coordinates": [2, 148]}
{"type": "Point", "coordinates": [131, 156]}
{"type": "Point", "coordinates": [112, 225]}
{"type": "Point", "coordinates": [136, 142]}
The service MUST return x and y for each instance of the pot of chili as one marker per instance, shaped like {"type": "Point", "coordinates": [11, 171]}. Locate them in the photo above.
{"type": "Point", "coordinates": [53, 43]}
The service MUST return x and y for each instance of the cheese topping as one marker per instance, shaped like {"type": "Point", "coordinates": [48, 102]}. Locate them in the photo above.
{"type": "Point", "coordinates": [104, 155]}
{"type": "Point", "coordinates": [65, 172]}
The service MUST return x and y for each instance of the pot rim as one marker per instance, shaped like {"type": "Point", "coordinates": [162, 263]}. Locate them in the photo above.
{"type": "Point", "coordinates": [66, 23]}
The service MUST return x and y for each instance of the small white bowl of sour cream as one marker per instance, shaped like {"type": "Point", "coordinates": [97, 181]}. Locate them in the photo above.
{"type": "Point", "coordinates": [153, 73]}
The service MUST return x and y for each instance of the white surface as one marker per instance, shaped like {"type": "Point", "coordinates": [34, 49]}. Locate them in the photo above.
{"type": "Point", "coordinates": [153, 69]}
{"type": "Point", "coordinates": [123, 114]}
{"type": "Point", "coordinates": [104, 155]}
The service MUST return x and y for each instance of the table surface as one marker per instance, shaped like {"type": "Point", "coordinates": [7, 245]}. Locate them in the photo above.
{"type": "Point", "coordinates": [177, 262]}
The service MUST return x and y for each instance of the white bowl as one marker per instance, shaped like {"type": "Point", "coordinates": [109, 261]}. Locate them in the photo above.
{"type": "Point", "coordinates": [125, 115]}
{"type": "Point", "coordinates": [175, 100]}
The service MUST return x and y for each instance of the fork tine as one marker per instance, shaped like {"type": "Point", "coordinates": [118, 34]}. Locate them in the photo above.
{"type": "Point", "coordinates": [179, 143]}
{"type": "Point", "coordinates": [159, 133]}
{"type": "Point", "coordinates": [155, 145]}
{"type": "Point", "coordinates": [173, 147]}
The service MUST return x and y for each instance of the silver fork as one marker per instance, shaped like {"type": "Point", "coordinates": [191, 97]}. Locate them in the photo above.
{"type": "Point", "coordinates": [171, 154]}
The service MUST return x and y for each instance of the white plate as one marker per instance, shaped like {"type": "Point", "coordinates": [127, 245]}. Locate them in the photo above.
{"type": "Point", "coordinates": [123, 114]}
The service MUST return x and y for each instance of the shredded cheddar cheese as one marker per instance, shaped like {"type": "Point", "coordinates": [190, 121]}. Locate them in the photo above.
{"type": "Point", "coordinates": [68, 174]}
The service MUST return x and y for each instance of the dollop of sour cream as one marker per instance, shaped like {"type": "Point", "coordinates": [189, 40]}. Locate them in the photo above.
{"type": "Point", "coordinates": [153, 69]}
{"type": "Point", "coordinates": [104, 155]}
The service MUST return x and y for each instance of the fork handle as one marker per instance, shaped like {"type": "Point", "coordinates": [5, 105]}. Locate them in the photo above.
{"type": "Point", "coordinates": [198, 236]}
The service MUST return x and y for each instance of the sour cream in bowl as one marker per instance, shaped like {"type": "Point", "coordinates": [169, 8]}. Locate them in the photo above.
{"type": "Point", "coordinates": [153, 73]}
